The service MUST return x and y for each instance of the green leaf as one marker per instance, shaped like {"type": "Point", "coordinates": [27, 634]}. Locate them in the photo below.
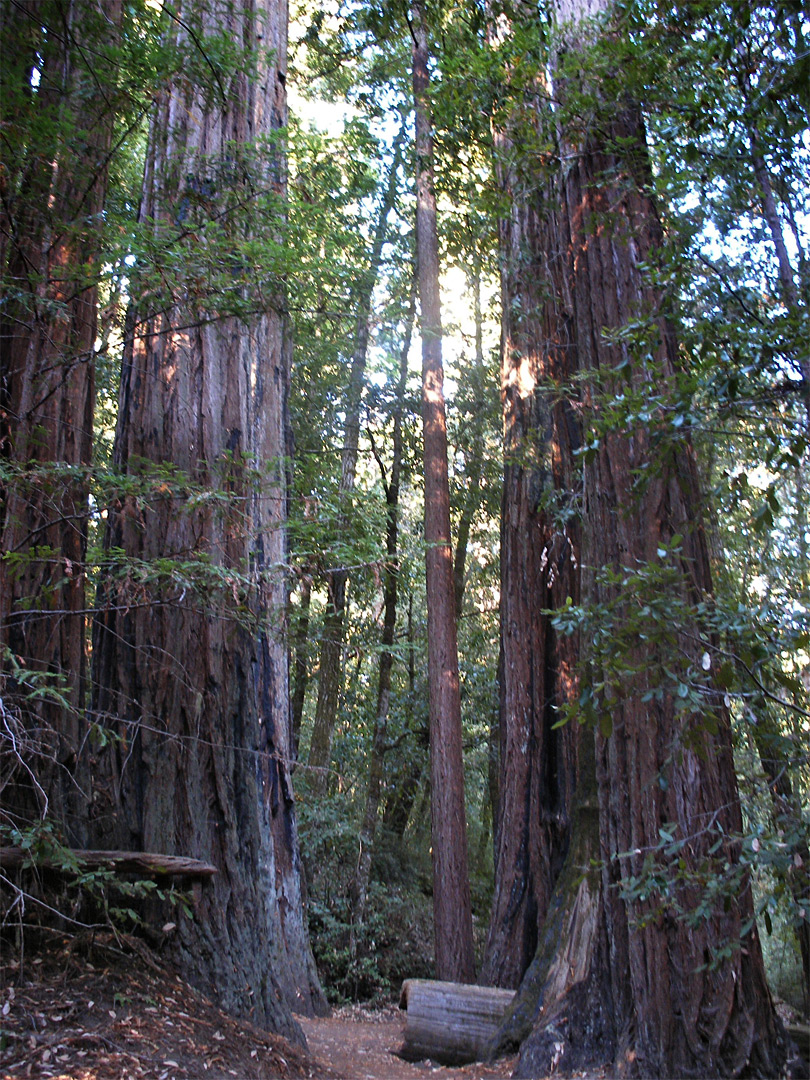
{"type": "Point", "coordinates": [788, 681]}
{"type": "Point", "coordinates": [724, 677]}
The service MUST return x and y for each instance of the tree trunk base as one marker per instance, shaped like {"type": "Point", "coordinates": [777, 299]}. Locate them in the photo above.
{"type": "Point", "coordinates": [577, 1035]}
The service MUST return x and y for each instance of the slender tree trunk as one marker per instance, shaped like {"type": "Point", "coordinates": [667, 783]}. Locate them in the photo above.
{"type": "Point", "coordinates": [770, 212]}
{"type": "Point", "coordinates": [22, 39]}
{"type": "Point", "coordinates": [330, 679]}
{"type": "Point", "coordinates": [687, 996]}
{"type": "Point", "coordinates": [494, 764]}
{"type": "Point", "coordinates": [452, 911]}
{"type": "Point", "coordinates": [399, 806]}
{"type": "Point", "coordinates": [300, 660]}
{"type": "Point", "coordinates": [52, 203]}
{"type": "Point", "coordinates": [197, 701]}
{"type": "Point", "coordinates": [473, 451]}
{"type": "Point", "coordinates": [787, 280]}
{"type": "Point", "coordinates": [331, 666]}
{"type": "Point", "coordinates": [368, 830]}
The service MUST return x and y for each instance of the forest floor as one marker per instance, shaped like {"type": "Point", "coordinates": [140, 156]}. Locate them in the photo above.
{"type": "Point", "coordinates": [357, 1043]}
{"type": "Point", "coordinates": [105, 1008]}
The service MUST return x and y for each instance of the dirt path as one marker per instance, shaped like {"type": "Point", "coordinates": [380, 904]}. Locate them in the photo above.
{"type": "Point", "coordinates": [101, 1007]}
{"type": "Point", "coordinates": [359, 1044]}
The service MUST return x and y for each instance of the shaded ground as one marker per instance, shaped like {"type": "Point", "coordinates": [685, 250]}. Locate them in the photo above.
{"type": "Point", "coordinates": [99, 1007]}
{"type": "Point", "coordinates": [103, 1009]}
{"type": "Point", "coordinates": [361, 1044]}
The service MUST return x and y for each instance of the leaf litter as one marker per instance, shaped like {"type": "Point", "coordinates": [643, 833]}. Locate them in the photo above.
{"type": "Point", "coordinates": [103, 1008]}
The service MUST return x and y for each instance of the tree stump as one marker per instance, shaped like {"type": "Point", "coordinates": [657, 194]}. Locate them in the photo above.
{"type": "Point", "coordinates": [451, 1023]}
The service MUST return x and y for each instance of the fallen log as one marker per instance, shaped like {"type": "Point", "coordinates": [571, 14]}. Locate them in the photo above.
{"type": "Point", "coordinates": [451, 1023]}
{"type": "Point", "coordinates": [800, 1033]}
{"type": "Point", "coordinates": [144, 863]}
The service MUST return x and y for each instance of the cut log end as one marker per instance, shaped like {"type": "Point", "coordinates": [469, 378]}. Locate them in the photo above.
{"type": "Point", "coordinates": [452, 1023]}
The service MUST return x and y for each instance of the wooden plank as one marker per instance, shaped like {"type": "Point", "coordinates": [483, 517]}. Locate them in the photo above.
{"type": "Point", "coordinates": [145, 863]}
{"type": "Point", "coordinates": [451, 1023]}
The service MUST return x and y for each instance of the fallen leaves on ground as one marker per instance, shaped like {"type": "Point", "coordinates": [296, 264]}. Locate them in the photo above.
{"type": "Point", "coordinates": [104, 1007]}
{"type": "Point", "coordinates": [99, 1009]}
{"type": "Point", "coordinates": [359, 1043]}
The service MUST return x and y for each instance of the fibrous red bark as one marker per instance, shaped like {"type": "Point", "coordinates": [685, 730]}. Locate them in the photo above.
{"type": "Point", "coordinates": [452, 908]}
{"type": "Point", "coordinates": [197, 701]}
{"type": "Point", "coordinates": [689, 996]}
{"type": "Point", "coordinates": [539, 557]}
{"type": "Point", "coordinates": [663, 975]}
{"type": "Point", "coordinates": [50, 241]}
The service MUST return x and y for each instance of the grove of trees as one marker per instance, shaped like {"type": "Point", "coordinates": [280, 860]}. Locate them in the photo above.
{"type": "Point", "coordinates": [491, 667]}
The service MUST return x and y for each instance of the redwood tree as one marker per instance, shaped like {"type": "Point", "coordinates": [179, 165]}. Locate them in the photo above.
{"type": "Point", "coordinates": [59, 100]}
{"type": "Point", "coordinates": [190, 663]}
{"type": "Point", "coordinates": [452, 908]}
{"type": "Point", "coordinates": [659, 965]}
{"type": "Point", "coordinates": [539, 547]}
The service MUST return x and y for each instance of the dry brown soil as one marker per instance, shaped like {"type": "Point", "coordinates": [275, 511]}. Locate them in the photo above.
{"type": "Point", "coordinates": [361, 1044]}
{"type": "Point", "coordinates": [105, 1008]}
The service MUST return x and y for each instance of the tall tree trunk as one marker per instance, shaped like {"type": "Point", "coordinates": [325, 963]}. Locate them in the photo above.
{"type": "Point", "coordinates": [331, 667]}
{"type": "Point", "coordinates": [777, 769]}
{"type": "Point", "coordinates": [787, 280]}
{"type": "Point", "coordinates": [368, 830]}
{"type": "Point", "coordinates": [399, 805]}
{"type": "Point", "coordinates": [23, 40]}
{"type": "Point", "coordinates": [452, 909]}
{"type": "Point", "coordinates": [564, 1008]}
{"type": "Point", "coordinates": [53, 196]}
{"type": "Point", "coordinates": [198, 701]}
{"type": "Point", "coordinates": [687, 995]}
{"type": "Point", "coordinates": [787, 816]}
{"type": "Point", "coordinates": [300, 659]}
{"type": "Point", "coordinates": [539, 563]}
{"type": "Point", "coordinates": [686, 1008]}
{"type": "Point", "coordinates": [473, 448]}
